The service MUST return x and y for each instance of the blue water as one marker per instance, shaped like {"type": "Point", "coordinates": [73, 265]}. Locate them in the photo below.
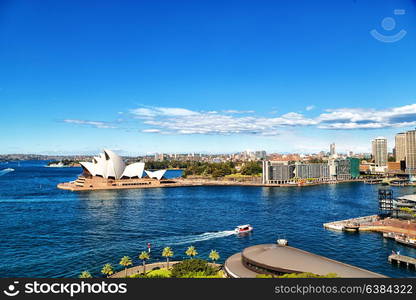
{"type": "Point", "coordinates": [46, 232]}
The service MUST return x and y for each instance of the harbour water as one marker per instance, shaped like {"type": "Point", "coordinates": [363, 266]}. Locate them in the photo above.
{"type": "Point", "coordinates": [47, 232]}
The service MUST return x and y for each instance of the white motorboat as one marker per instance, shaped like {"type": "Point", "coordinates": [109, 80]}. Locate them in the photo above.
{"type": "Point", "coordinates": [243, 228]}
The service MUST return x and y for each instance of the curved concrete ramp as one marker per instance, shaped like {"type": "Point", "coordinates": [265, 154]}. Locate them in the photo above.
{"type": "Point", "coordinates": [285, 259]}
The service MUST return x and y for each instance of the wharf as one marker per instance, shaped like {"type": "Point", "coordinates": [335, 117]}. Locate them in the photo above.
{"type": "Point", "coordinates": [351, 223]}
{"type": "Point", "coordinates": [81, 185]}
{"type": "Point", "coordinates": [400, 260]}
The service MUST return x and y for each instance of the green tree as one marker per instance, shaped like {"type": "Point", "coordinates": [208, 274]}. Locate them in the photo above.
{"type": "Point", "coordinates": [125, 262]}
{"type": "Point", "coordinates": [214, 256]}
{"type": "Point", "coordinates": [189, 267]}
{"type": "Point", "coordinates": [409, 211]}
{"type": "Point", "coordinates": [144, 256]}
{"type": "Point", "coordinates": [167, 252]}
{"type": "Point", "coordinates": [107, 270]}
{"type": "Point", "coordinates": [85, 274]}
{"type": "Point", "coordinates": [251, 168]}
{"type": "Point", "coordinates": [191, 252]}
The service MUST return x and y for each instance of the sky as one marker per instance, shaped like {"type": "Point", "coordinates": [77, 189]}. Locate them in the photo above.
{"type": "Point", "coordinates": [205, 76]}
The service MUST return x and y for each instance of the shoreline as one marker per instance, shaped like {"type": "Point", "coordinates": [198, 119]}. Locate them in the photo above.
{"type": "Point", "coordinates": [175, 183]}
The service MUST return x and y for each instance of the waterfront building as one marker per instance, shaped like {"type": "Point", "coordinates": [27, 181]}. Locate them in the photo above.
{"type": "Point", "coordinates": [354, 167]}
{"type": "Point", "coordinates": [343, 169]}
{"type": "Point", "coordinates": [278, 172]}
{"type": "Point", "coordinates": [108, 171]}
{"type": "Point", "coordinates": [379, 151]}
{"type": "Point", "coordinates": [400, 146]}
{"type": "Point", "coordinates": [410, 152]}
{"type": "Point", "coordinates": [394, 166]}
{"type": "Point", "coordinates": [275, 259]}
{"type": "Point", "coordinates": [316, 171]}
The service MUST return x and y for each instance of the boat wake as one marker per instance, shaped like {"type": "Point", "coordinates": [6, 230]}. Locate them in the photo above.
{"type": "Point", "coordinates": [5, 171]}
{"type": "Point", "coordinates": [190, 239]}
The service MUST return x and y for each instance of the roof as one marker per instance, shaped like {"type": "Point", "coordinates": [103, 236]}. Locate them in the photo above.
{"type": "Point", "coordinates": [287, 259]}
{"type": "Point", "coordinates": [109, 164]}
{"type": "Point", "coordinates": [243, 226]}
{"type": "Point", "coordinates": [156, 174]}
{"type": "Point", "coordinates": [408, 198]}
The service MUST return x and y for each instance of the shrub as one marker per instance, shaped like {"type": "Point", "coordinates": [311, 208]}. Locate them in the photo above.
{"type": "Point", "coordinates": [195, 266]}
{"type": "Point", "coordinates": [160, 273]}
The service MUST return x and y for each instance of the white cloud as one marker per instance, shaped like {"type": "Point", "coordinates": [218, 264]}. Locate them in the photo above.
{"type": "Point", "coordinates": [309, 107]}
{"type": "Point", "coordinates": [162, 111]}
{"type": "Point", "coordinates": [233, 111]}
{"type": "Point", "coordinates": [184, 121]}
{"type": "Point", "coordinates": [168, 120]}
{"type": "Point", "coordinates": [358, 118]}
{"type": "Point", "coordinates": [97, 124]}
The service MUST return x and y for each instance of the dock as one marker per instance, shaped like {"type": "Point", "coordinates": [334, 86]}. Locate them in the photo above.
{"type": "Point", "coordinates": [350, 223]}
{"type": "Point", "coordinates": [402, 260]}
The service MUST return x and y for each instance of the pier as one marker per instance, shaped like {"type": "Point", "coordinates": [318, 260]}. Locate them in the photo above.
{"type": "Point", "coordinates": [373, 181]}
{"type": "Point", "coordinates": [402, 260]}
{"type": "Point", "coordinates": [351, 223]}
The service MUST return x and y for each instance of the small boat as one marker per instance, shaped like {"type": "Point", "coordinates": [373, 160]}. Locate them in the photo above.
{"type": "Point", "coordinates": [351, 227]}
{"type": "Point", "coordinates": [389, 235]}
{"type": "Point", "coordinates": [282, 242]}
{"type": "Point", "coordinates": [243, 228]}
{"type": "Point", "coordinates": [406, 241]}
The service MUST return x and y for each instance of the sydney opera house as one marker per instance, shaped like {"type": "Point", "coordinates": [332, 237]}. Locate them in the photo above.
{"type": "Point", "coordinates": [108, 171]}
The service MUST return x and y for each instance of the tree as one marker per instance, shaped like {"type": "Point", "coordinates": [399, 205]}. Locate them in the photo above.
{"type": "Point", "coordinates": [125, 262]}
{"type": "Point", "coordinates": [167, 252]}
{"type": "Point", "coordinates": [190, 267]}
{"type": "Point", "coordinates": [107, 270]}
{"type": "Point", "coordinates": [409, 211]}
{"type": "Point", "coordinates": [144, 256]}
{"type": "Point", "coordinates": [251, 168]}
{"type": "Point", "coordinates": [85, 274]}
{"type": "Point", "coordinates": [214, 256]}
{"type": "Point", "coordinates": [191, 252]}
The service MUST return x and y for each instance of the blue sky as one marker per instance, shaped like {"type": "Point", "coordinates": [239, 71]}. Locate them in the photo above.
{"type": "Point", "coordinates": [204, 76]}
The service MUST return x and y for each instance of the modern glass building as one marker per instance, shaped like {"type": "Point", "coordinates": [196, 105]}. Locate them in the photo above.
{"type": "Point", "coordinates": [354, 167]}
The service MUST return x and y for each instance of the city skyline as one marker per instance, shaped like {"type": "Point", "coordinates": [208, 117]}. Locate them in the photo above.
{"type": "Point", "coordinates": [193, 77]}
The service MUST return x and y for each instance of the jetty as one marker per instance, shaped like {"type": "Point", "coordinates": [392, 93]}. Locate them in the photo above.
{"type": "Point", "coordinates": [349, 224]}
{"type": "Point", "coordinates": [402, 260]}
{"type": "Point", "coordinates": [373, 181]}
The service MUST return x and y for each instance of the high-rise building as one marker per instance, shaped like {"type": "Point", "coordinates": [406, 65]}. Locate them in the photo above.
{"type": "Point", "coordinates": [410, 152]}
{"type": "Point", "coordinates": [379, 151]}
{"type": "Point", "coordinates": [400, 146]}
{"type": "Point", "coordinates": [332, 150]}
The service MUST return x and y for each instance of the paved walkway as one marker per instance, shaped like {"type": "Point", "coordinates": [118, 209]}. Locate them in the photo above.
{"type": "Point", "coordinates": [149, 267]}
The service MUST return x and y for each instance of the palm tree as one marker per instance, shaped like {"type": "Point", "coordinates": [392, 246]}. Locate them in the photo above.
{"type": "Point", "coordinates": [107, 270]}
{"type": "Point", "coordinates": [143, 256]}
{"type": "Point", "coordinates": [191, 252]}
{"type": "Point", "coordinates": [85, 274]}
{"type": "Point", "coordinates": [167, 252]}
{"type": "Point", "coordinates": [213, 255]}
{"type": "Point", "coordinates": [125, 262]}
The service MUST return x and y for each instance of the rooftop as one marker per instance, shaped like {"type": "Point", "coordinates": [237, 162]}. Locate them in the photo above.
{"type": "Point", "coordinates": [408, 198]}
{"type": "Point", "coordinates": [287, 259]}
